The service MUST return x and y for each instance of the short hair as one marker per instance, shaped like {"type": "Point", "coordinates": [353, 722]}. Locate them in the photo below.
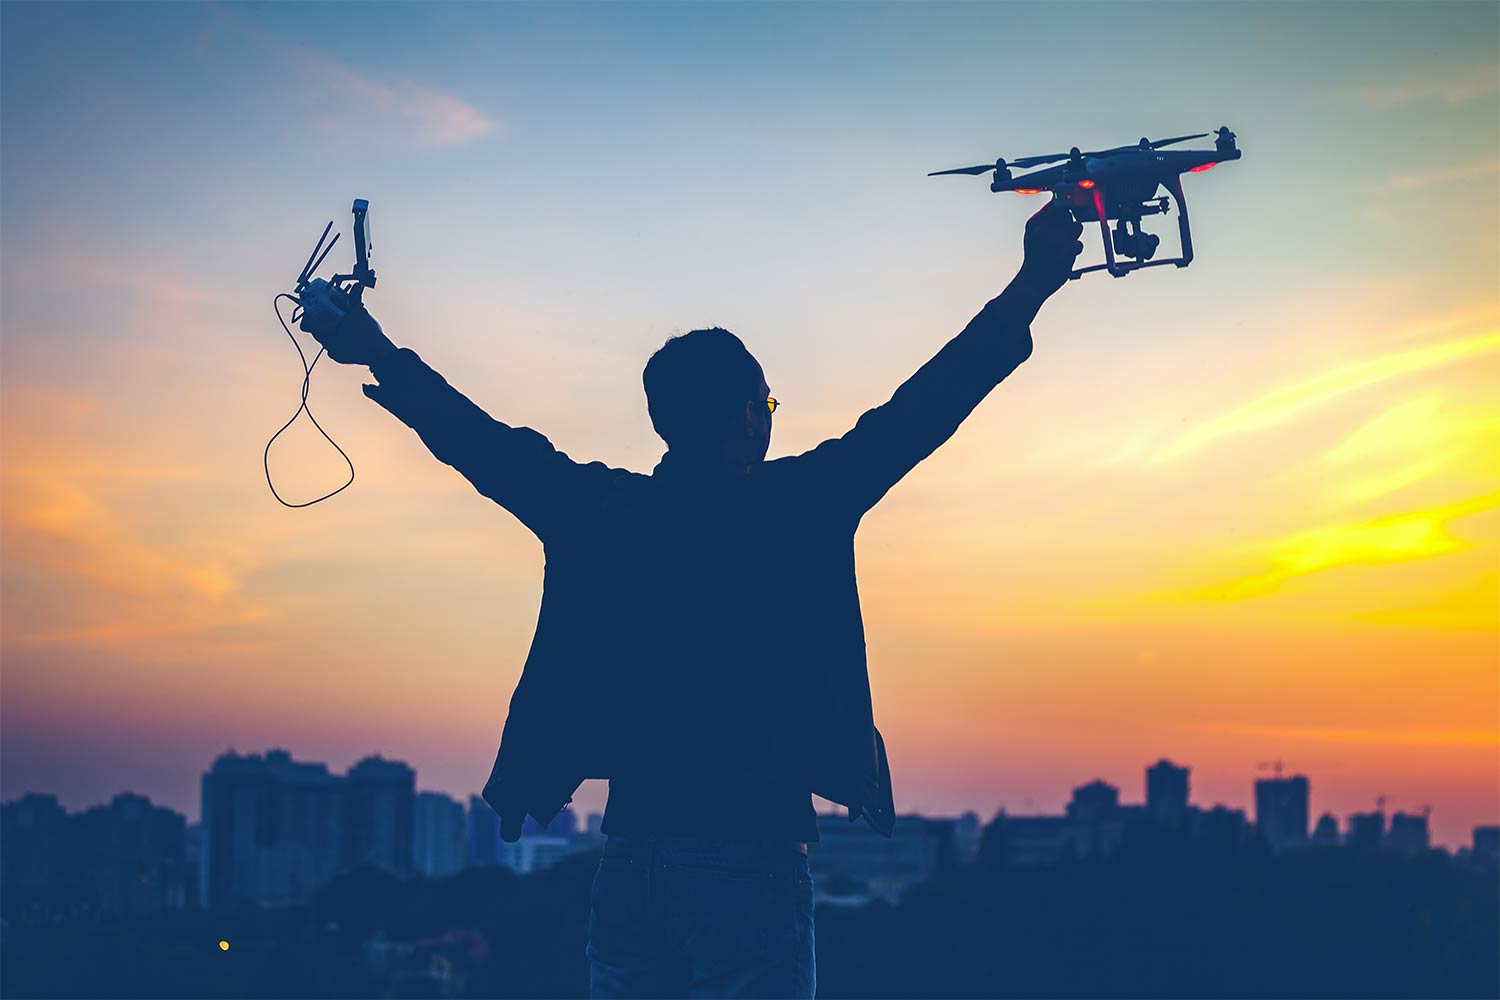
{"type": "Point", "coordinates": [697, 382]}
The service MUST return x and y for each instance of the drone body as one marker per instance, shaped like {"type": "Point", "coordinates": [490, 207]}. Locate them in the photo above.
{"type": "Point", "coordinates": [1121, 184]}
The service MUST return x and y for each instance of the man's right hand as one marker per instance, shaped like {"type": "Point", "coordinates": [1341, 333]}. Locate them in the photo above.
{"type": "Point", "coordinates": [1051, 245]}
{"type": "Point", "coordinates": [355, 339]}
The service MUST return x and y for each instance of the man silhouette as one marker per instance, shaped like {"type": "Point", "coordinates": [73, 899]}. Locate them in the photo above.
{"type": "Point", "coordinates": [699, 642]}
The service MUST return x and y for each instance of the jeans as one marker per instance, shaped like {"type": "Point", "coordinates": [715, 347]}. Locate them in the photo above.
{"type": "Point", "coordinates": [701, 917]}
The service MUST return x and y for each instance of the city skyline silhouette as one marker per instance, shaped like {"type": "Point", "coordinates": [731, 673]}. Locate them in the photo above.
{"type": "Point", "coordinates": [355, 905]}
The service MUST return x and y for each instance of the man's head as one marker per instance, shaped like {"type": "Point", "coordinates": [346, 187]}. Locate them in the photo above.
{"type": "Point", "coordinates": [707, 397]}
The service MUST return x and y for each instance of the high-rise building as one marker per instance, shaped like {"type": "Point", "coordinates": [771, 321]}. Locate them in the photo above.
{"type": "Point", "coordinates": [482, 846]}
{"type": "Point", "coordinates": [378, 802]}
{"type": "Point", "coordinates": [1029, 840]}
{"type": "Point", "coordinates": [1409, 833]}
{"type": "Point", "coordinates": [1281, 811]}
{"type": "Point", "coordinates": [543, 846]}
{"type": "Point", "coordinates": [1367, 830]}
{"type": "Point", "coordinates": [1096, 825]}
{"type": "Point", "coordinates": [438, 836]}
{"type": "Point", "coordinates": [968, 831]}
{"type": "Point", "coordinates": [1093, 803]}
{"type": "Point", "coordinates": [1487, 844]}
{"type": "Point", "coordinates": [1167, 793]}
{"type": "Point", "coordinates": [591, 837]}
{"type": "Point", "coordinates": [273, 829]}
{"type": "Point", "coordinates": [952, 843]}
{"type": "Point", "coordinates": [851, 863]}
{"type": "Point", "coordinates": [536, 851]}
{"type": "Point", "coordinates": [125, 857]}
{"type": "Point", "coordinates": [1326, 833]}
{"type": "Point", "coordinates": [134, 854]}
{"type": "Point", "coordinates": [1221, 825]}
{"type": "Point", "coordinates": [32, 831]}
{"type": "Point", "coordinates": [563, 825]}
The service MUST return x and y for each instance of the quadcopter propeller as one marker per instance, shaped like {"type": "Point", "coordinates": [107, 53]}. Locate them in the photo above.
{"type": "Point", "coordinates": [1146, 144]}
{"type": "Point", "coordinates": [1031, 161]}
{"type": "Point", "coordinates": [1158, 143]}
{"type": "Point", "coordinates": [973, 171]}
{"type": "Point", "coordinates": [1034, 161]}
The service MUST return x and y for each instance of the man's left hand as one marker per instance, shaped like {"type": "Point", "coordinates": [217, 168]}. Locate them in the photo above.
{"type": "Point", "coordinates": [353, 339]}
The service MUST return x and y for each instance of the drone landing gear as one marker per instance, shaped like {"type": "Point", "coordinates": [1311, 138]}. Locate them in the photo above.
{"type": "Point", "coordinates": [1132, 242]}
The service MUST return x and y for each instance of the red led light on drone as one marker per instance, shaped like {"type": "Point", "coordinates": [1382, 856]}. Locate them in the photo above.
{"type": "Point", "coordinates": [1085, 184]}
{"type": "Point", "coordinates": [1201, 167]}
{"type": "Point", "coordinates": [1028, 190]}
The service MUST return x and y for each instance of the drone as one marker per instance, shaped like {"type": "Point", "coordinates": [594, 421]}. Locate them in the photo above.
{"type": "Point", "coordinates": [1120, 184]}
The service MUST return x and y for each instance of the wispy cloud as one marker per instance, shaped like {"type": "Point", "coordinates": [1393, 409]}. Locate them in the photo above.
{"type": "Point", "coordinates": [1281, 405]}
{"type": "Point", "coordinates": [1402, 537]}
{"type": "Point", "coordinates": [1411, 442]}
{"type": "Point", "coordinates": [355, 105]}
{"type": "Point", "coordinates": [1448, 85]}
{"type": "Point", "coordinates": [428, 118]}
{"type": "Point", "coordinates": [1417, 179]}
{"type": "Point", "coordinates": [72, 270]}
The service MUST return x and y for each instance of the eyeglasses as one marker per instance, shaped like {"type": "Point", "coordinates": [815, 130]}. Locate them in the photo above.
{"type": "Point", "coordinates": [772, 402]}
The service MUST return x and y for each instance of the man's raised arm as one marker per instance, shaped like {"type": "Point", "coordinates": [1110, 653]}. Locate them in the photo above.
{"type": "Point", "coordinates": [856, 470]}
{"type": "Point", "coordinates": [515, 466]}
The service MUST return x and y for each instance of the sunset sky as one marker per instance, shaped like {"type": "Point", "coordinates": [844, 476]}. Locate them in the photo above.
{"type": "Point", "coordinates": [1237, 513]}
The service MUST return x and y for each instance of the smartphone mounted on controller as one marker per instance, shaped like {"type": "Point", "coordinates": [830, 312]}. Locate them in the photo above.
{"type": "Point", "coordinates": [324, 303]}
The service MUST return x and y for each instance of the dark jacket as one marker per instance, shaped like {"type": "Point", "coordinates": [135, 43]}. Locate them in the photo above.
{"type": "Point", "coordinates": [701, 622]}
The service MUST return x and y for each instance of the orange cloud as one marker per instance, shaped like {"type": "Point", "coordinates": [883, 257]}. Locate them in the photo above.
{"type": "Point", "coordinates": [1385, 737]}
